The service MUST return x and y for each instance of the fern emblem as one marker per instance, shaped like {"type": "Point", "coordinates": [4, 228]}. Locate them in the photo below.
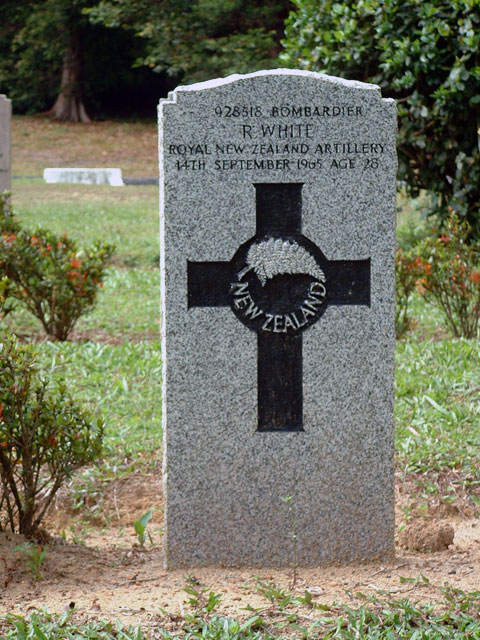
{"type": "Point", "coordinates": [276, 256]}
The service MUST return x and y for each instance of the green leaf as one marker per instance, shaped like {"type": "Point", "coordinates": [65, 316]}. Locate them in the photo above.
{"type": "Point", "coordinates": [38, 632]}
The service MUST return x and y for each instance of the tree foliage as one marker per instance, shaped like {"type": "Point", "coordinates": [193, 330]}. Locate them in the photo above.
{"type": "Point", "coordinates": [200, 39]}
{"type": "Point", "coordinates": [67, 52]}
{"type": "Point", "coordinates": [426, 54]}
{"type": "Point", "coordinates": [51, 54]}
{"type": "Point", "coordinates": [45, 58]}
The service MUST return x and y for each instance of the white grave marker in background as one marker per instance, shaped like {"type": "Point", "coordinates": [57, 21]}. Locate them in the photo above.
{"type": "Point", "coordinates": [5, 142]}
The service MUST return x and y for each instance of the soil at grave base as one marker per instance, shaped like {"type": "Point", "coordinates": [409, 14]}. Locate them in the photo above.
{"type": "Point", "coordinates": [107, 575]}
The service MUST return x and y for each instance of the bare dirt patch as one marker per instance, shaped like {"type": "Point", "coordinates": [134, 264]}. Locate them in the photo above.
{"type": "Point", "coordinates": [103, 570]}
{"type": "Point", "coordinates": [426, 535]}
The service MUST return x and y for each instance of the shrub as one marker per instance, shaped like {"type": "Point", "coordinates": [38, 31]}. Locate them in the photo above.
{"type": "Point", "coordinates": [54, 279]}
{"type": "Point", "coordinates": [409, 268]}
{"type": "Point", "coordinates": [8, 223]}
{"type": "Point", "coordinates": [44, 437]}
{"type": "Point", "coordinates": [6, 291]}
{"type": "Point", "coordinates": [426, 55]}
{"type": "Point", "coordinates": [451, 276]}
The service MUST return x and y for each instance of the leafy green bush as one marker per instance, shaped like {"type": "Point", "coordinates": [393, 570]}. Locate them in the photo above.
{"type": "Point", "coordinates": [54, 279]}
{"type": "Point", "coordinates": [451, 276]}
{"type": "Point", "coordinates": [9, 224]}
{"type": "Point", "coordinates": [44, 437]}
{"type": "Point", "coordinates": [426, 54]}
{"type": "Point", "coordinates": [6, 291]}
{"type": "Point", "coordinates": [10, 227]}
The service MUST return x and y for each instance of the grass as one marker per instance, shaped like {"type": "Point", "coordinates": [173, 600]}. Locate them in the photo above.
{"type": "Point", "coordinates": [39, 142]}
{"type": "Point", "coordinates": [115, 369]}
{"type": "Point", "coordinates": [122, 382]}
{"type": "Point", "coordinates": [125, 216]}
{"type": "Point", "coordinates": [455, 618]}
{"type": "Point", "coordinates": [438, 419]}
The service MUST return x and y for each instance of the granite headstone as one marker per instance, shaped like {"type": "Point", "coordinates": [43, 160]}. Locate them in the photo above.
{"type": "Point", "coordinates": [277, 194]}
{"type": "Point", "coordinates": [5, 119]}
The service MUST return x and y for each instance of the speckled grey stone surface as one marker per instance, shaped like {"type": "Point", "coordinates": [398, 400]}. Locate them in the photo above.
{"type": "Point", "coordinates": [223, 480]}
{"type": "Point", "coordinates": [5, 118]}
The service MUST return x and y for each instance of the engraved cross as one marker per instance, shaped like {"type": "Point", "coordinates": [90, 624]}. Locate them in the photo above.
{"type": "Point", "coordinates": [278, 284]}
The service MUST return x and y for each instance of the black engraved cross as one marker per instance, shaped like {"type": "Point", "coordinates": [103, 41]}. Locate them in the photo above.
{"type": "Point", "coordinates": [278, 284]}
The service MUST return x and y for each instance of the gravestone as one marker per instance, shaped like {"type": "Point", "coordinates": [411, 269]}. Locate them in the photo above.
{"type": "Point", "coordinates": [112, 177]}
{"type": "Point", "coordinates": [277, 194]}
{"type": "Point", "coordinates": [5, 118]}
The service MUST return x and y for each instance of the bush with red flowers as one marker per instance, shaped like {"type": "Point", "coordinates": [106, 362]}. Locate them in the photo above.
{"type": "Point", "coordinates": [451, 275]}
{"type": "Point", "coordinates": [55, 280]}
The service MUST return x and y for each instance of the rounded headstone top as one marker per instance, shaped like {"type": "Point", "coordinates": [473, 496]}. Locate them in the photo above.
{"type": "Point", "coordinates": [219, 82]}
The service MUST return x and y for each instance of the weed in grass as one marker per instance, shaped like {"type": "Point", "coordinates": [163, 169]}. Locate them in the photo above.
{"type": "Point", "coordinates": [46, 626]}
{"type": "Point", "coordinates": [419, 580]}
{"type": "Point", "coordinates": [220, 628]}
{"type": "Point", "coordinates": [274, 593]}
{"type": "Point", "coordinates": [34, 555]}
{"type": "Point", "coordinates": [87, 491]}
{"type": "Point", "coordinates": [455, 618]}
{"type": "Point", "coordinates": [202, 601]}
{"type": "Point", "coordinates": [78, 533]}
{"type": "Point", "coordinates": [140, 527]}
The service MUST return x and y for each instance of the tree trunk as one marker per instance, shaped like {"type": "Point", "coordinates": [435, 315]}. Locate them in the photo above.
{"type": "Point", "coordinates": [69, 105]}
